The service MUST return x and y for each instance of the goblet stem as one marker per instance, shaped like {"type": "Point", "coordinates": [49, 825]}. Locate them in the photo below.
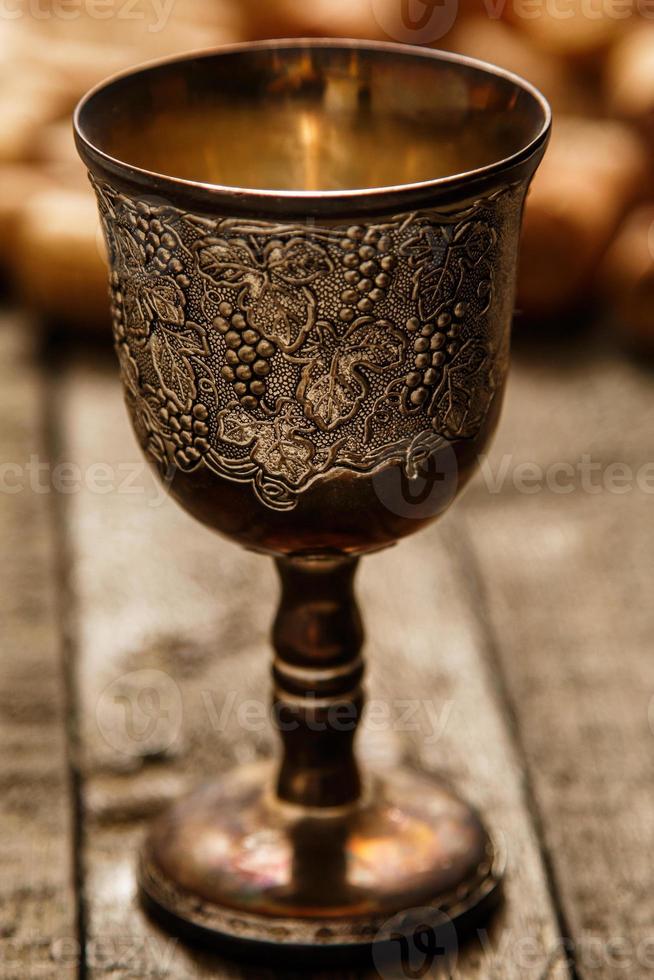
{"type": "Point", "coordinates": [318, 698]}
{"type": "Point", "coordinates": [333, 863]}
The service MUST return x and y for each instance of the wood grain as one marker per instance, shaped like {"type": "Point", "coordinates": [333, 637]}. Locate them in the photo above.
{"type": "Point", "coordinates": [565, 592]}
{"type": "Point", "coordinates": [156, 591]}
{"type": "Point", "coordinates": [37, 906]}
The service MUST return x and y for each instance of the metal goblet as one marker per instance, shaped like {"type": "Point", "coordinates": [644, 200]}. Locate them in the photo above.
{"type": "Point", "coordinates": [313, 255]}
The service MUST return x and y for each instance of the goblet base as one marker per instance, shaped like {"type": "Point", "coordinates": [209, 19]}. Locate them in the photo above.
{"type": "Point", "coordinates": [234, 866]}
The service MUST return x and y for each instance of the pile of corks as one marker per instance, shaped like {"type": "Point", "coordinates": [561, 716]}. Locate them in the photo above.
{"type": "Point", "coordinates": [588, 244]}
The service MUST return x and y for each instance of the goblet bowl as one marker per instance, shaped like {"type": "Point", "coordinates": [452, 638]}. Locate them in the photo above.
{"type": "Point", "coordinates": [313, 252]}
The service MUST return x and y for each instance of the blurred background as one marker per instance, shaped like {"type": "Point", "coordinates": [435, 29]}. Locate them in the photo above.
{"type": "Point", "coordinates": [588, 250]}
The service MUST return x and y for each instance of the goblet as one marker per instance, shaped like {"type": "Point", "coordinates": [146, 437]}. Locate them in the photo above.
{"type": "Point", "coordinates": [313, 254]}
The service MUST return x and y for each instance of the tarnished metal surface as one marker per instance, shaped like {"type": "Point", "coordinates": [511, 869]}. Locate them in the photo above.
{"type": "Point", "coordinates": [278, 371]}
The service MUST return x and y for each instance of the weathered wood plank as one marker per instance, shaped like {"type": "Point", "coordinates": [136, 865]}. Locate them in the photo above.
{"type": "Point", "coordinates": [156, 591]}
{"type": "Point", "coordinates": [565, 588]}
{"type": "Point", "coordinates": [425, 645]}
{"type": "Point", "coordinates": [37, 902]}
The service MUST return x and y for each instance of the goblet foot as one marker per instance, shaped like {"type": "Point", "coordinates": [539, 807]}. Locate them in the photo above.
{"type": "Point", "coordinates": [233, 865]}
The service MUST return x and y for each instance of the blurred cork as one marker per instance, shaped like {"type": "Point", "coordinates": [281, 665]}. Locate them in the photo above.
{"type": "Point", "coordinates": [482, 37]}
{"type": "Point", "coordinates": [334, 18]}
{"type": "Point", "coordinates": [58, 263]}
{"type": "Point", "coordinates": [627, 279]}
{"type": "Point", "coordinates": [576, 30]}
{"type": "Point", "coordinates": [592, 172]}
{"type": "Point", "coordinates": [587, 66]}
{"type": "Point", "coordinates": [18, 184]}
{"type": "Point", "coordinates": [629, 79]}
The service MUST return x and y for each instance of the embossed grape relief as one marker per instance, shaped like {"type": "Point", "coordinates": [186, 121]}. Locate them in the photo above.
{"type": "Point", "coordinates": [274, 353]}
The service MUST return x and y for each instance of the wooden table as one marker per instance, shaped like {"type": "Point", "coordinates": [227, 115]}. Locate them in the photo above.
{"type": "Point", "coordinates": [515, 658]}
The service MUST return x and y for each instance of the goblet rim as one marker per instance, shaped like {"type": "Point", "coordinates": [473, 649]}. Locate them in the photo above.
{"type": "Point", "coordinates": [318, 202]}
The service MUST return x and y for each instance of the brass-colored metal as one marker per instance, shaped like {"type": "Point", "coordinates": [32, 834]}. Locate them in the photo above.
{"type": "Point", "coordinates": [317, 674]}
{"type": "Point", "coordinates": [310, 854]}
{"type": "Point", "coordinates": [235, 861]}
{"type": "Point", "coordinates": [304, 352]}
{"type": "Point", "coordinates": [313, 250]}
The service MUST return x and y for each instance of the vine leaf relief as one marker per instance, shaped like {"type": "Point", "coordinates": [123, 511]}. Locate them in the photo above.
{"type": "Point", "coordinates": [147, 297]}
{"type": "Point", "coordinates": [162, 298]}
{"type": "Point", "coordinates": [441, 258]}
{"type": "Point", "coordinates": [279, 446]}
{"type": "Point", "coordinates": [274, 285]}
{"type": "Point", "coordinates": [148, 300]}
{"type": "Point", "coordinates": [271, 354]}
{"type": "Point", "coordinates": [146, 424]}
{"type": "Point", "coordinates": [461, 401]}
{"type": "Point", "coordinates": [332, 384]}
{"type": "Point", "coordinates": [171, 350]}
